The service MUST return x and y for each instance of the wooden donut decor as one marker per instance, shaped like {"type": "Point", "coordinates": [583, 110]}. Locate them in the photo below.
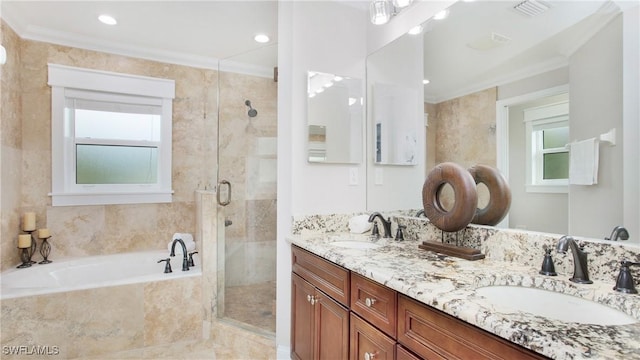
{"type": "Point", "coordinates": [499, 195]}
{"type": "Point", "coordinates": [465, 197]}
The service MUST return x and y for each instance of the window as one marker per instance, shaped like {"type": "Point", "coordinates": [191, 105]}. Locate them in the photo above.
{"type": "Point", "coordinates": [547, 156]}
{"type": "Point", "coordinates": [111, 137]}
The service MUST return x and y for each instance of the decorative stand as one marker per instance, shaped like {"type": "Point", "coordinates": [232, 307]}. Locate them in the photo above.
{"type": "Point", "coordinates": [25, 257]}
{"type": "Point", "coordinates": [45, 250]}
{"type": "Point", "coordinates": [34, 246]}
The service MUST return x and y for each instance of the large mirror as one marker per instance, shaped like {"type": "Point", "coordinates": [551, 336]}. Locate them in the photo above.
{"type": "Point", "coordinates": [490, 61]}
{"type": "Point", "coordinates": [335, 118]}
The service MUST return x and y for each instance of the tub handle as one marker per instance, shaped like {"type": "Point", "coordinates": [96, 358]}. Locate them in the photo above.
{"type": "Point", "coordinates": [167, 268]}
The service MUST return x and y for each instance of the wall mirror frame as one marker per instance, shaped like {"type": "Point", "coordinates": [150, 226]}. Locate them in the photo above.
{"type": "Point", "coordinates": [467, 95]}
{"type": "Point", "coordinates": [335, 118]}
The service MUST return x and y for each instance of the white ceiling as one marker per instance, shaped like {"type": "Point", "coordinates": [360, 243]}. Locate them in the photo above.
{"type": "Point", "coordinates": [196, 33]}
{"type": "Point", "coordinates": [537, 44]}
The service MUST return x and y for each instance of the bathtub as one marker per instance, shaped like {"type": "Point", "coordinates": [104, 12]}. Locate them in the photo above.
{"type": "Point", "coordinates": [92, 272]}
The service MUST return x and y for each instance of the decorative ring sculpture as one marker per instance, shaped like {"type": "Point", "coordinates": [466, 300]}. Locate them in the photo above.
{"type": "Point", "coordinates": [465, 197]}
{"type": "Point", "coordinates": [499, 195]}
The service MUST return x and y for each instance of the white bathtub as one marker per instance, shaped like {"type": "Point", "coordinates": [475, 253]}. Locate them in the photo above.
{"type": "Point", "coordinates": [92, 272]}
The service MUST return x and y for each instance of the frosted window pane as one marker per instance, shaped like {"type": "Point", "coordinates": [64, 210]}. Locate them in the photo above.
{"type": "Point", "coordinates": [107, 164]}
{"type": "Point", "coordinates": [556, 166]}
{"type": "Point", "coordinates": [116, 125]}
{"type": "Point", "coordinates": [555, 138]}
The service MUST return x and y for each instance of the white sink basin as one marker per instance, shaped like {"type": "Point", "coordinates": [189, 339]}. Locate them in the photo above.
{"type": "Point", "coordinates": [354, 244]}
{"type": "Point", "coordinates": [553, 305]}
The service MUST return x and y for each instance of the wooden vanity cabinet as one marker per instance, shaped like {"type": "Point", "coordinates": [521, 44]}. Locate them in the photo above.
{"type": "Point", "coordinates": [319, 323]}
{"type": "Point", "coordinates": [433, 334]}
{"type": "Point", "coordinates": [369, 343]}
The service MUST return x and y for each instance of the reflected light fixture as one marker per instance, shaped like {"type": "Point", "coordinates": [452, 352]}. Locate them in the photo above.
{"type": "Point", "coordinates": [107, 19]}
{"type": "Point", "coordinates": [400, 4]}
{"type": "Point", "coordinates": [380, 11]}
{"type": "Point", "coordinates": [261, 38]}
{"type": "Point", "coordinates": [425, 81]}
{"type": "Point", "coordinates": [441, 15]}
{"type": "Point", "coordinates": [416, 30]}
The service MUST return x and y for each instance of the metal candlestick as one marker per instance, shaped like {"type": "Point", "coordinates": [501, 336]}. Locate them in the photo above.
{"type": "Point", "coordinates": [45, 250]}
{"type": "Point", "coordinates": [34, 246]}
{"type": "Point", "coordinates": [25, 257]}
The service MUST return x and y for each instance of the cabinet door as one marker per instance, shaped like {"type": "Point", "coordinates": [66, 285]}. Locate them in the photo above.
{"type": "Point", "coordinates": [332, 328]}
{"type": "Point", "coordinates": [369, 343]}
{"type": "Point", "coordinates": [302, 319]}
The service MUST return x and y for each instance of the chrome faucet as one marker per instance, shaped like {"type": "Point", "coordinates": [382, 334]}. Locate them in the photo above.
{"type": "Point", "coordinates": [618, 232]}
{"type": "Point", "coordinates": [185, 260]}
{"type": "Point", "coordinates": [386, 224]}
{"type": "Point", "coordinates": [580, 271]}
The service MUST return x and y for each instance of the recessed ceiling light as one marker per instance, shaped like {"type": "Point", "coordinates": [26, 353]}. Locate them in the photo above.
{"type": "Point", "coordinates": [107, 19]}
{"type": "Point", "coordinates": [416, 30]}
{"type": "Point", "coordinates": [441, 15]}
{"type": "Point", "coordinates": [425, 81]}
{"type": "Point", "coordinates": [261, 38]}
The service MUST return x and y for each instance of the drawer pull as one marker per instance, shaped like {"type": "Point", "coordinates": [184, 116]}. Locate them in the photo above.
{"type": "Point", "coordinates": [369, 302]}
{"type": "Point", "coordinates": [370, 356]}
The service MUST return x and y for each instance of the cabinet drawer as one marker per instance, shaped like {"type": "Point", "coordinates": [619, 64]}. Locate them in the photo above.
{"type": "Point", "coordinates": [431, 333]}
{"type": "Point", "coordinates": [325, 275]}
{"type": "Point", "coordinates": [369, 343]}
{"type": "Point", "coordinates": [404, 354]}
{"type": "Point", "coordinates": [374, 302]}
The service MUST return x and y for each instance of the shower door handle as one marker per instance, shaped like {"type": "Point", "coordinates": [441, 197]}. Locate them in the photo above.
{"type": "Point", "coordinates": [227, 201]}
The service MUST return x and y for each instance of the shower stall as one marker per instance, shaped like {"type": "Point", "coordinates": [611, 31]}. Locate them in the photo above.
{"type": "Point", "coordinates": [247, 126]}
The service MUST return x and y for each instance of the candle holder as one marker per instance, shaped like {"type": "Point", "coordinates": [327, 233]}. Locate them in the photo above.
{"type": "Point", "coordinates": [25, 257]}
{"type": "Point", "coordinates": [34, 246]}
{"type": "Point", "coordinates": [45, 250]}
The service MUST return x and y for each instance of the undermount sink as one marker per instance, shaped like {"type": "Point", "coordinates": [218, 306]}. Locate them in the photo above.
{"type": "Point", "coordinates": [553, 305]}
{"type": "Point", "coordinates": [355, 244]}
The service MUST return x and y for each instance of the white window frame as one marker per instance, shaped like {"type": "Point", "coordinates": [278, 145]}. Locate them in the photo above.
{"type": "Point", "coordinates": [66, 81]}
{"type": "Point", "coordinates": [542, 118]}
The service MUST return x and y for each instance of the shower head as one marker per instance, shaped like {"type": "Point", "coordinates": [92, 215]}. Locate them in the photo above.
{"type": "Point", "coordinates": [252, 112]}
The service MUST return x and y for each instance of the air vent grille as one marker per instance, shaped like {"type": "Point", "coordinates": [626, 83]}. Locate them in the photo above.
{"type": "Point", "coordinates": [532, 8]}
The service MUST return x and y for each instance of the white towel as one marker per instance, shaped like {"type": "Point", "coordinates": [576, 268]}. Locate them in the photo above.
{"type": "Point", "coordinates": [583, 162]}
{"type": "Point", "coordinates": [184, 236]}
{"type": "Point", "coordinates": [359, 224]}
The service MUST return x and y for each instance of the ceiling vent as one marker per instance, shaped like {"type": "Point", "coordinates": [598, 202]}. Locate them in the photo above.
{"type": "Point", "coordinates": [531, 8]}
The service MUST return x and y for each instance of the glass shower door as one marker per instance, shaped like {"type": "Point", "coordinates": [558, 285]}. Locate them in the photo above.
{"type": "Point", "coordinates": [247, 125]}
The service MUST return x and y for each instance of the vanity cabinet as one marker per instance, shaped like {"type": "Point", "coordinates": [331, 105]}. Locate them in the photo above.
{"type": "Point", "coordinates": [433, 334]}
{"type": "Point", "coordinates": [320, 315]}
{"type": "Point", "coordinates": [369, 343]}
{"type": "Point", "coordinates": [337, 314]}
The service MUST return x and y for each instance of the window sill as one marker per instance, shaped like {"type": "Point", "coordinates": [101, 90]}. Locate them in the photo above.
{"type": "Point", "coordinates": [110, 198]}
{"type": "Point", "coordinates": [551, 189]}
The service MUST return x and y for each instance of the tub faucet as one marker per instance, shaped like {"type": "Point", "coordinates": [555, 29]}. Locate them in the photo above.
{"type": "Point", "coordinates": [580, 271]}
{"type": "Point", "coordinates": [618, 232]}
{"type": "Point", "coordinates": [386, 224]}
{"type": "Point", "coordinates": [185, 260]}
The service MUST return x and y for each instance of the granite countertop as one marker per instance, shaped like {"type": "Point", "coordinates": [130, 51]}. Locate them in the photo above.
{"type": "Point", "coordinates": [449, 284]}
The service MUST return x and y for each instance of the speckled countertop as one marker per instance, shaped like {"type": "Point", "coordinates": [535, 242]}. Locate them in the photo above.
{"type": "Point", "coordinates": [449, 284]}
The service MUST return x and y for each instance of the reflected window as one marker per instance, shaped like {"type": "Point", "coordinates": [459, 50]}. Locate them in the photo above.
{"type": "Point", "coordinates": [547, 153]}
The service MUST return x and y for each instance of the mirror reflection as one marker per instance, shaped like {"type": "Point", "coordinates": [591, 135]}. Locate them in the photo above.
{"type": "Point", "coordinates": [335, 118]}
{"type": "Point", "coordinates": [487, 55]}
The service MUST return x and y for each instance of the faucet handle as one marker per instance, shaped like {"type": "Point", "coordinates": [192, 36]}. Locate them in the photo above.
{"type": "Point", "coordinates": [625, 282]}
{"type": "Point", "coordinates": [547, 264]}
{"type": "Point", "coordinates": [191, 263]}
{"type": "Point", "coordinates": [167, 267]}
{"type": "Point", "coordinates": [399, 233]}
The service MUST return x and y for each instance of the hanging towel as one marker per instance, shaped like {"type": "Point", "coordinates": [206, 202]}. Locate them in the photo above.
{"type": "Point", "coordinates": [583, 162]}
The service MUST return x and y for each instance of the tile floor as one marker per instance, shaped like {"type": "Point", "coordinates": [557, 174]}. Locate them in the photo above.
{"type": "Point", "coordinates": [252, 304]}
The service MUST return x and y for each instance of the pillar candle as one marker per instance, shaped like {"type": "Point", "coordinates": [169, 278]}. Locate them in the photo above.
{"type": "Point", "coordinates": [24, 241]}
{"type": "Point", "coordinates": [43, 233]}
{"type": "Point", "coordinates": [29, 221]}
